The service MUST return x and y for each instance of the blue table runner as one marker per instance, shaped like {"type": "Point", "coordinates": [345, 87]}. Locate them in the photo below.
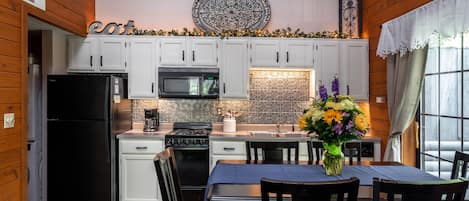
{"type": "Point", "coordinates": [252, 173]}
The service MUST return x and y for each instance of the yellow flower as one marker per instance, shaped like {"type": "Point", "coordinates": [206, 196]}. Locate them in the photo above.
{"type": "Point", "coordinates": [335, 106]}
{"type": "Point", "coordinates": [302, 123]}
{"type": "Point", "coordinates": [332, 115]}
{"type": "Point", "coordinates": [361, 122]}
{"type": "Point", "coordinates": [317, 115]}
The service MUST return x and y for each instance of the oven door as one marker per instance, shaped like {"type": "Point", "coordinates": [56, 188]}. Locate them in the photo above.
{"type": "Point", "coordinates": [192, 166]}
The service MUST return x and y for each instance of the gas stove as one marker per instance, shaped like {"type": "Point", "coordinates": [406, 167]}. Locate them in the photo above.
{"type": "Point", "coordinates": [191, 152]}
{"type": "Point", "coordinates": [189, 134]}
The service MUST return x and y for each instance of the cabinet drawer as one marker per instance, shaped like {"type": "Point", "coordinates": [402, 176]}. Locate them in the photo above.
{"type": "Point", "coordinates": [229, 148]}
{"type": "Point", "coordinates": [141, 147]}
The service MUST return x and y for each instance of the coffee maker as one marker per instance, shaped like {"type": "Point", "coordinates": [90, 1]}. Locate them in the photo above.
{"type": "Point", "coordinates": [151, 120]}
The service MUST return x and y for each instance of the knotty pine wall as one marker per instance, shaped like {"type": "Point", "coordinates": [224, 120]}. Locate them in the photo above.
{"type": "Point", "coordinates": [375, 13]}
{"type": "Point", "coordinates": [71, 15]}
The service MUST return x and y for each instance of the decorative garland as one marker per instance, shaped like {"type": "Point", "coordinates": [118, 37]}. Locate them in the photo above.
{"type": "Point", "coordinates": [279, 33]}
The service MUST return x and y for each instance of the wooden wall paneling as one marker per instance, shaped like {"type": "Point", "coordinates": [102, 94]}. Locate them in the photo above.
{"type": "Point", "coordinates": [9, 64]}
{"type": "Point", "coordinates": [375, 13]}
{"type": "Point", "coordinates": [70, 15]}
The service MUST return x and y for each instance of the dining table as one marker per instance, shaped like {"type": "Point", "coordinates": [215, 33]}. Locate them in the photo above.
{"type": "Point", "coordinates": [240, 179]}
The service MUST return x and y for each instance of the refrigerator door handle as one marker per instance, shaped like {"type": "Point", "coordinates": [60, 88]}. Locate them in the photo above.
{"type": "Point", "coordinates": [108, 148]}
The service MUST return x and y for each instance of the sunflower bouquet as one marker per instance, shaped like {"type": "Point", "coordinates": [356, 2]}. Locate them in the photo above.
{"type": "Point", "coordinates": [334, 119]}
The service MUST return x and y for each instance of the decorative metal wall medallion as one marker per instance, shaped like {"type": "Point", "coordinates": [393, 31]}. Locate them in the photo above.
{"type": "Point", "coordinates": [350, 18]}
{"type": "Point", "coordinates": [220, 15]}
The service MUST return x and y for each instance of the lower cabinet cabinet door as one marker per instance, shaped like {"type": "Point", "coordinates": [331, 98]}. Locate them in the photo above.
{"type": "Point", "coordinates": [138, 181]}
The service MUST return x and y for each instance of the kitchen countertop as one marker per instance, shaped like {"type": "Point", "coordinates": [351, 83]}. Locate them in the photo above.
{"type": "Point", "coordinates": [243, 133]}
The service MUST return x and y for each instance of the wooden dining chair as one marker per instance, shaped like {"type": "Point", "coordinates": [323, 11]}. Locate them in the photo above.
{"type": "Point", "coordinates": [353, 149]}
{"type": "Point", "coordinates": [272, 151]}
{"type": "Point", "coordinates": [459, 165]}
{"type": "Point", "coordinates": [315, 150]}
{"type": "Point", "coordinates": [449, 190]}
{"type": "Point", "coordinates": [323, 191]}
{"type": "Point", "coordinates": [168, 178]}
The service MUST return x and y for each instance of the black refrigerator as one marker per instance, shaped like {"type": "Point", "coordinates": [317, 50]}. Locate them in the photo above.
{"type": "Point", "coordinates": [85, 113]}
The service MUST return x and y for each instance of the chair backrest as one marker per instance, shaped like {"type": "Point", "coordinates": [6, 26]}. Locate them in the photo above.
{"type": "Point", "coordinates": [315, 150]}
{"type": "Point", "coordinates": [168, 178]}
{"type": "Point", "coordinates": [272, 151]}
{"type": "Point", "coordinates": [353, 149]}
{"type": "Point", "coordinates": [323, 191]}
{"type": "Point", "coordinates": [454, 190]}
{"type": "Point", "coordinates": [459, 165]}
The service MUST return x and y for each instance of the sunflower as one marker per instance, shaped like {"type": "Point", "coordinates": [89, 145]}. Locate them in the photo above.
{"type": "Point", "coordinates": [331, 115]}
{"type": "Point", "coordinates": [302, 122]}
{"type": "Point", "coordinates": [361, 122]}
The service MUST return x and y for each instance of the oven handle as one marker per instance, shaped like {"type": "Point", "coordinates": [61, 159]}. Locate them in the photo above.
{"type": "Point", "coordinates": [190, 148]}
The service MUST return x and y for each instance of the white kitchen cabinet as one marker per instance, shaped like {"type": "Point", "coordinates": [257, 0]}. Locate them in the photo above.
{"type": "Point", "coordinates": [326, 61]}
{"type": "Point", "coordinates": [234, 69]}
{"type": "Point", "coordinates": [182, 51]}
{"type": "Point", "coordinates": [82, 54]}
{"type": "Point", "coordinates": [100, 54]}
{"type": "Point", "coordinates": [226, 150]}
{"type": "Point", "coordinates": [137, 175]}
{"type": "Point", "coordinates": [173, 51]}
{"type": "Point", "coordinates": [204, 52]}
{"type": "Point", "coordinates": [265, 52]}
{"type": "Point", "coordinates": [354, 68]}
{"type": "Point", "coordinates": [297, 53]}
{"type": "Point", "coordinates": [143, 69]}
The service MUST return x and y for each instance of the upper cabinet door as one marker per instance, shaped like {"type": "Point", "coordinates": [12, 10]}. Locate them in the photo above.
{"type": "Point", "coordinates": [81, 54]}
{"type": "Point", "coordinates": [354, 68]}
{"type": "Point", "coordinates": [112, 54]}
{"type": "Point", "coordinates": [326, 63]}
{"type": "Point", "coordinates": [204, 52]}
{"type": "Point", "coordinates": [234, 69]}
{"type": "Point", "coordinates": [297, 53]}
{"type": "Point", "coordinates": [265, 53]}
{"type": "Point", "coordinates": [142, 70]}
{"type": "Point", "coordinates": [173, 52]}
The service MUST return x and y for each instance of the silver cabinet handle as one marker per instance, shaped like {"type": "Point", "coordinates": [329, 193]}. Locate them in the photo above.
{"type": "Point", "coordinates": [224, 88]}
{"type": "Point", "coordinates": [101, 60]}
{"type": "Point", "coordinates": [193, 55]}
{"type": "Point", "coordinates": [141, 148]}
{"type": "Point", "coordinates": [277, 57]}
{"type": "Point", "coordinates": [288, 57]}
{"type": "Point", "coordinates": [348, 89]}
{"type": "Point", "coordinates": [183, 55]}
{"type": "Point", "coordinates": [152, 87]}
{"type": "Point", "coordinates": [228, 148]}
{"type": "Point", "coordinates": [91, 61]}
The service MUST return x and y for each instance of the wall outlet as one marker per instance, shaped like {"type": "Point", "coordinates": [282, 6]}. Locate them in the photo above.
{"type": "Point", "coordinates": [8, 120]}
{"type": "Point", "coordinates": [219, 110]}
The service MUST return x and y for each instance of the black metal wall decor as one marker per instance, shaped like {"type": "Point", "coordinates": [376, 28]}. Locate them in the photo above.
{"type": "Point", "coordinates": [218, 16]}
{"type": "Point", "coordinates": [350, 17]}
{"type": "Point", "coordinates": [111, 28]}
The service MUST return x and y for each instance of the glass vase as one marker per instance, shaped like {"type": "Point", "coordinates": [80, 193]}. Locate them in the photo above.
{"type": "Point", "coordinates": [333, 158]}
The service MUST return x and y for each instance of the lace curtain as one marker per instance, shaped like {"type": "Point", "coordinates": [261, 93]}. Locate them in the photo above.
{"type": "Point", "coordinates": [414, 29]}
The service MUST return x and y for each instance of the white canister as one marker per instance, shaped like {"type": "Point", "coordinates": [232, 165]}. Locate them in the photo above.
{"type": "Point", "coordinates": [229, 125]}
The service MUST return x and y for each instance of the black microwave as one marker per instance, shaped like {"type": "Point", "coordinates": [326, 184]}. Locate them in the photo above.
{"type": "Point", "coordinates": [188, 82]}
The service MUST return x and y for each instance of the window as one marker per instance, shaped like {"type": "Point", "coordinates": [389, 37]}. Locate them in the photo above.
{"type": "Point", "coordinates": [444, 111]}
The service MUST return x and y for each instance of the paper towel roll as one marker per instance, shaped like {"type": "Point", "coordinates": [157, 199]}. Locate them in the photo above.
{"type": "Point", "coordinates": [229, 125]}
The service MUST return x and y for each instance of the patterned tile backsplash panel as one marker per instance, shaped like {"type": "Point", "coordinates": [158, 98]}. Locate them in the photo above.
{"type": "Point", "coordinates": [275, 96]}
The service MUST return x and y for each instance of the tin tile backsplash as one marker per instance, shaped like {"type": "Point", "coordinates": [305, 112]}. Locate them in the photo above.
{"type": "Point", "coordinates": [275, 96]}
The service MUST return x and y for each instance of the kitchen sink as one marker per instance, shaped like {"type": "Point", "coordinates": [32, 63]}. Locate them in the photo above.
{"type": "Point", "coordinates": [276, 134]}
